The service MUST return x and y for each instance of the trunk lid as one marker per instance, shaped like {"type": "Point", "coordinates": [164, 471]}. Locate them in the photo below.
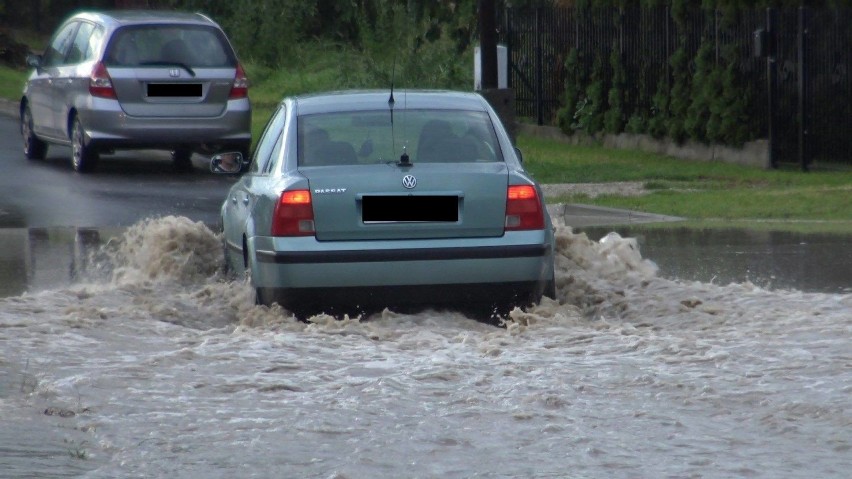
{"type": "Point", "coordinates": [370, 202]}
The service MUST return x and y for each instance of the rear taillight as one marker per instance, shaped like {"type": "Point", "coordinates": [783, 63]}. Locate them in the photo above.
{"type": "Point", "coordinates": [240, 87]}
{"type": "Point", "coordinates": [100, 84]}
{"type": "Point", "coordinates": [523, 209]}
{"type": "Point", "coordinates": [294, 214]}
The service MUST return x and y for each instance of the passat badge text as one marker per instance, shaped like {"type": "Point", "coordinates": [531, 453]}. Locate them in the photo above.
{"type": "Point", "coordinates": [329, 191]}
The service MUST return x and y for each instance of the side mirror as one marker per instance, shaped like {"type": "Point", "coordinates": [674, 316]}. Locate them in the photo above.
{"type": "Point", "coordinates": [228, 163]}
{"type": "Point", "coordinates": [34, 61]}
{"type": "Point", "coordinates": [520, 155]}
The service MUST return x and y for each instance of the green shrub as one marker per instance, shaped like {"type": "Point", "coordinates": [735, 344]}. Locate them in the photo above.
{"type": "Point", "coordinates": [736, 124]}
{"type": "Point", "coordinates": [591, 112]}
{"type": "Point", "coordinates": [705, 91]}
{"type": "Point", "coordinates": [614, 116]}
{"type": "Point", "coordinates": [566, 116]}
{"type": "Point", "coordinates": [679, 97]}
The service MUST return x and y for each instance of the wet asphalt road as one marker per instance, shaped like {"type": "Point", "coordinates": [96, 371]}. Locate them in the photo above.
{"type": "Point", "coordinates": [124, 189]}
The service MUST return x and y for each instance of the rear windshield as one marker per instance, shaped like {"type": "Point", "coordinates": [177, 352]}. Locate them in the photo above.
{"type": "Point", "coordinates": [195, 46]}
{"type": "Point", "coordinates": [426, 136]}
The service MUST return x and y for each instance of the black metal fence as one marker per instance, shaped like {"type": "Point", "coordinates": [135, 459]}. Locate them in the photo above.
{"type": "Point", "coordinates": [799, 92]}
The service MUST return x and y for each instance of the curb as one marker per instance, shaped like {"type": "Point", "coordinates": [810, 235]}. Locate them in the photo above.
{"type": "Point", "coordinates": [578, 215]}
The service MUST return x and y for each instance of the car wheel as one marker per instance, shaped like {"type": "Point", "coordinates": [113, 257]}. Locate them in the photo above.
{"type": "Point", "coordinates": [83, 157]}
{"type": "Point", "coordinates": [182, 160]}
{"type": "Point", "coordinates": [227, 270]}
{"type": "Point", "coordinates": [260, 298]}
{"type": "Point", "coordinates": [34, 149]}
{"type": "Point", "coordinates": [550, 287]}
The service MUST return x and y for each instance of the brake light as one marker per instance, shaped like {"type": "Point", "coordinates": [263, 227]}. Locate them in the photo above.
{"type": "Point", "coordinates": [100, 84]}
{"type": "Point", "coordinates": [294, 214]}
{"type": "Point", "coordinates": [241, 83]}
{"type": "Point", "coordinates": [523, 209]}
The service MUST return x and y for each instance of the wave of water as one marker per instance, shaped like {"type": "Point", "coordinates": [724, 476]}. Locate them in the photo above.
{"type": "Point", "coordinates": [161, 366]}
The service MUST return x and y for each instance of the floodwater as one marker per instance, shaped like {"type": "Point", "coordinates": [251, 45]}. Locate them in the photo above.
{"type": "Point", "coordinates": [811, 262]}
{"type": "Point", "coordinates": [134, 357]}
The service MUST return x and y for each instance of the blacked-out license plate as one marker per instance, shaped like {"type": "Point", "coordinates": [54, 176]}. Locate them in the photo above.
{"type": "Point", "coordinates": [385, 209]}
{"type": "Point", "coordinates": [174, 89]}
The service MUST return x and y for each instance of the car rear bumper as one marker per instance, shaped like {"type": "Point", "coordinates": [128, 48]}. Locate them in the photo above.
{"type": "Point", "coordinates": [512, 268]}
{"type": "Point", "coordinates": [479, 299]}
{"type": "Point", "coordinates": [108, 126]}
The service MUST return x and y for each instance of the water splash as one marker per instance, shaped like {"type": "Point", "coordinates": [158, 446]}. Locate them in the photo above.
{"type": "Point", "coordinates": [171, 248]}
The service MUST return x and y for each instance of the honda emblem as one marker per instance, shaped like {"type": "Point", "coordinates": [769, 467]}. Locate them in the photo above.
{"type": "Point", "coordinates": [174, 72]}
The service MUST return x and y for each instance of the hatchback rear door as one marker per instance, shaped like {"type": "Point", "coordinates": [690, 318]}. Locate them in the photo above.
{"type": "Point", "coordinates": [171, 70]}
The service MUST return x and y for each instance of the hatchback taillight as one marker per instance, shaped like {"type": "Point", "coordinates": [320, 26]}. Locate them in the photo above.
{"type": "Point", "coordinates": [100, 84]}
{"type": "Point", "coordinates": [523, 209]}
{"type": "Point", "coordinates": [241, 83]}
{"type": "Point", "coordinates": [294, 214]}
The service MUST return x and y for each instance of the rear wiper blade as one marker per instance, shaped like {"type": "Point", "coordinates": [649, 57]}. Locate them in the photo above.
{"type": "Point", "coordinates": [170, 64]}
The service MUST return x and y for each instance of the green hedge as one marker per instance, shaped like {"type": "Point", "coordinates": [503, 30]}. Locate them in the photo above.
{"type": "Point", "coordinates": [704, 98]}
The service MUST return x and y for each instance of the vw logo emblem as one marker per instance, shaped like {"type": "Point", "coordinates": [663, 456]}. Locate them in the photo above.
{"type": "Point", "coordinates": [409, 181]}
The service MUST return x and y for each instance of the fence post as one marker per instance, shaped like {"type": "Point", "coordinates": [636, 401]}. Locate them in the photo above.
{"type": "Point", "coordinates": [539, 74]}
{"type": "Point", "coordinates": [771, 82]}
{"type": "Point", "coordinates": [509, 65]}
{"type": "Point", "coordinates": [488, 44]}
{"type": "Point", "coordinates": [716, 41]}
{"type": "Point", "coordinates": [803, 88]}
{"type": "Point", "coordinates": [668, 47]}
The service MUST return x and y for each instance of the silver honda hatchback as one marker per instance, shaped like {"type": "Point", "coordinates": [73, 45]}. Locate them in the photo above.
{"type": "Point", "coordinates": [136, 80]}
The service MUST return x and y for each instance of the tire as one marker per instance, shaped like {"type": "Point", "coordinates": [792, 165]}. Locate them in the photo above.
{"type": "Point", "coordinates": [550, 287]}
{"type": "Point", "coordinates": [83, 157]}
{"type": "Point", "coordinates": [182, 160]}
{"type": "Point", "coordinates": [34, 149]}
{"type": "Point", "coordinates": [227, 270]}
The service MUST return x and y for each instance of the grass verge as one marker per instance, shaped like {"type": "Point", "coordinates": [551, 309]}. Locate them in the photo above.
{"type": "Point", "coordinates": [12, 83]}
{"type": "Point", "coordinates": [711, 194]}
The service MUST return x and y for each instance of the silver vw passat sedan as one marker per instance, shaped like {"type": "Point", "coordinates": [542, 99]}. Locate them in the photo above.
{"type": "Point", "coordinates": [355, 201]}
{"type": "Point", "coordinates": [136, 79]}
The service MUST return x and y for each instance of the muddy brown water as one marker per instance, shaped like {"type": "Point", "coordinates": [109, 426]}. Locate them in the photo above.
{"type": "Point", "coordinates": [141, 360]}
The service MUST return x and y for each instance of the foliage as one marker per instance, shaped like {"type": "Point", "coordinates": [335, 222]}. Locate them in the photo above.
{"type": "Point", "coordinates": [704, 92]}
{"type": "Point", "coordinates": [736, 125]}
{"type": "Point", "coordinates": [425, 36]}
{"type": "Point", "coordinates": [591, 112]}
{"type": "Point", "coordinates": [679, 97]}
{"type": "Point", "coordinates": [614, 116]}
{"type": "Point", "coordinates": [12, 83]}
{"type": "Point", "coordinates": [639, 121]}
{"type": "Point", "coordinates": [573, 95]}
{"type": "Point", "coordinates": [659, 109]}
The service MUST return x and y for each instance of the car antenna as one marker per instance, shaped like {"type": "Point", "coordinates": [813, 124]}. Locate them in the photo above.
{"type": "Point", "coordinates": [391, 101]}
{"type": "Point", "coordinates": [404, 160]}
{"type": "Point", "coordinates": [390, 106]}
